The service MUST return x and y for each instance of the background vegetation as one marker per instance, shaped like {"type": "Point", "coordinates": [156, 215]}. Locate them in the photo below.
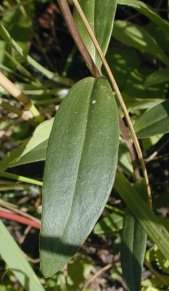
{"type": "Point", "coordinates": [38, 55]}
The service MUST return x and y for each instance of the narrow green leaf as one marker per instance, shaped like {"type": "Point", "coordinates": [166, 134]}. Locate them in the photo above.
{"type": "Point", "coordinates": [80, 168]}
{"type": "Point", "coordinates": [133, 247]}
{"type": "Point", "coordinates": [149, 221]}
{"type": "Point", "coordinates": [147, 11]}
{"type": "Point", "coordinates": [137, 37]}
{"type": "Point", "coordinates": [101, 26]}
{"type": "Point", "coordinates": [154, 121]}
{"type": "Point", "coordinates": [16, 261]}
{"type": "Point", "coordinates": [4, 34]}
{"type": "Point", "coordinates": [20, 178]}
{"type": "Point", "coordinates": [158, 77]}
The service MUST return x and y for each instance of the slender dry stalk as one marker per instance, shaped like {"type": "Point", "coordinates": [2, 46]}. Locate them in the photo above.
{"type": "Point", "coordinates": [13, 90]}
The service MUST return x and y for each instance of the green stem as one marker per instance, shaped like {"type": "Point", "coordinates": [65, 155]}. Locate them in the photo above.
{"type": "Point", "coordinates": [21, 178]}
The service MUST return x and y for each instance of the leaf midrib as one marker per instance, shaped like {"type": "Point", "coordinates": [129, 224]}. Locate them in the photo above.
{"type": "Point", "coordinates": [81, 154]}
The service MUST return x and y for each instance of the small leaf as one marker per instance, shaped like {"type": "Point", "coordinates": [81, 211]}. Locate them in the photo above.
{"type": "Point", "coordinates": [35, 149]}
{"type": "Point", "coordinates": [133, 247]}
{"type": "Point", "coordinates": [137, 37]}
{"type": "Point", "coordinates": [154, 121]}
{"type": "Point", "coordinates": [158, 77]}
{"type": "Point", "coordinates": [30, 151]}
{"type": "Point", "coordinates": [101, 26]}
{"type": "Point", "coordinates": [147, 11]}
{"type": "Point", "coordinates": [149, 221]}
{"type": "Point", "coordinates": [80, 168]}
{"type": "Point", "coordinates": [16, 261]}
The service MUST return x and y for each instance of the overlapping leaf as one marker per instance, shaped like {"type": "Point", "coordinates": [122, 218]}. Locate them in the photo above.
{"type": "Point", "coordinates": [80, 168]}
{"type": "Point", "coordinates": [147, 11]}
{"type": "Point", "coordinates": [156, 231]}
{"type": "Point", "coordinates": [101, 26]}
{"type": "Point", "coordinates": [154, 121]}
{"type": "Point", "coordinates": [133, 246]}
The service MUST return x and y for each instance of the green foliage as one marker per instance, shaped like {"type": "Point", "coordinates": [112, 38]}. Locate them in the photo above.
{"type": "Point", "coordinates": [154, 121]}
{"type": "Point", "coordinates": [81, 147]}
{"type": "Point", "coordinates": [137, 37]}
{"type": "Point", "coordinates": [82, 172]}
{"type": "Point", "coordinates": [133, 246]}
{"type": "Point", "coordinates": [102, 27]}
{"type": "Point", "coordinates": [17, 262]}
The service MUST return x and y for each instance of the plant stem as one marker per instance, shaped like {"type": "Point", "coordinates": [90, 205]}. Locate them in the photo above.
{"type": "Point", "coordinates": [119, 96]}
{"type": "Point", "coordinates": [13, 208]}
{"type": "Point", "coordinates": [18, 218]}
{"type": "Point", "coordinates": [20, 96]}
{"type": "Point", "coordinates": [77, 38]}
{"type": "Point", "coordinates": [92, 67]}
{"type": "Point", "coordinates": [22, 114]}
{"type": "Point", "coordinates": [21, 178]}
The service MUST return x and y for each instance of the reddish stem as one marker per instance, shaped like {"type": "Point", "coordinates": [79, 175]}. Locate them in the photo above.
{"type": "Point", "coordinates": [19, 218]}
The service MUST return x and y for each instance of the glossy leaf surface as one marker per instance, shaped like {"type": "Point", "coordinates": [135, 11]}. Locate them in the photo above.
{"type": "Point", "coordinates": [154, 121]}
{"type": "Point", "coordinates": [80, 169]}
{"type": "Point", "coordinates": [100, 15]}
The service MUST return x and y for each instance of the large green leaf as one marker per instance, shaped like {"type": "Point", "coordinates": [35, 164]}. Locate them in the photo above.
{"type": "Point", "coordinates": [137, 37]}
{"type": "Point", "coordinates": [147, 11]}
{"type": "Point", "coordinates": [133, 246]}
{"type": "Point", "coordinates": [16, 261]}
{"type": "Point", "coordinates": [80, 169]}
{"type": "Point", "coordinates": [101, 25]}
{"type": "Point", "coordinates": [148, 220]}
{"type": "Point", "coordinates": [154, 121]}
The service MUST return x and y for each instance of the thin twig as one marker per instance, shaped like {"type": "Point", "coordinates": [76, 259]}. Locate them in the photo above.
{"type": "Point", "coordinates": [25, 115]}
{"type": "Point", "coordinates": [77, 38]}
{"type": "Point", "coordinates": [154, 154]}
{"type": "Point", "coordinates": [15, 217]}
{"type": "Point", "coordinates": [97, 274]}
{"type": "Point", "coordinates": [119, 96]}
{"type": "Point", "coordinates": [9, 207]}
{"type": "Point", "coordinates": [131, 149]}
{"type": "Point", "coordinates": [20, 96]}
{"type": "Point", "coordinates": [157, 274]}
